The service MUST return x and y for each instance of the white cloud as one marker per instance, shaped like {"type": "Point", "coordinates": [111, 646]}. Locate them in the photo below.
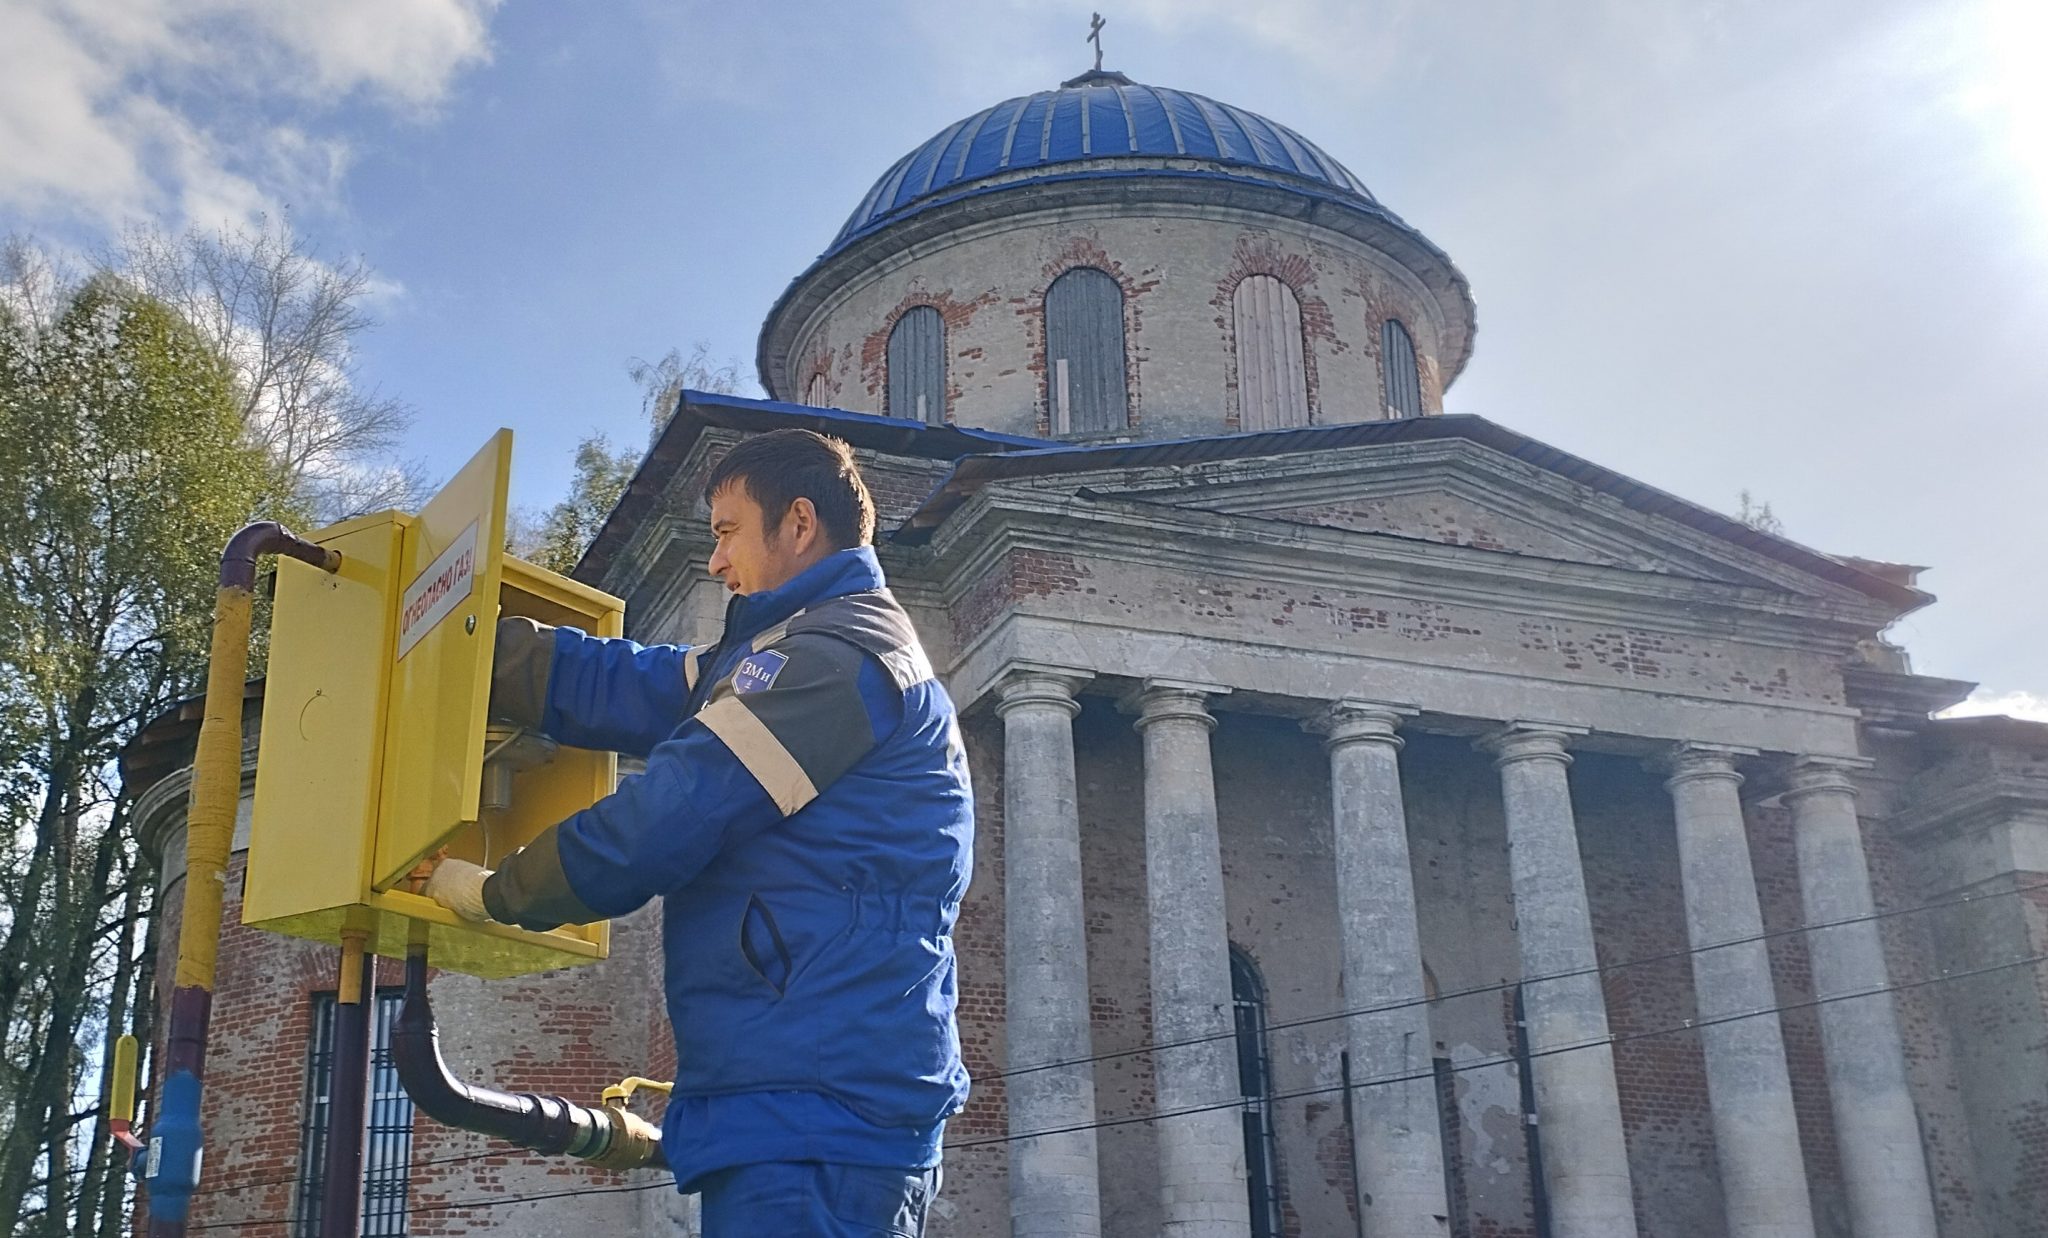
{"type": "Point", "coordinates": [406, 50]}
{"type": "Point", "coordinates": [2029, 705]}
{"type": "Point", "coordinates": [207, 111]}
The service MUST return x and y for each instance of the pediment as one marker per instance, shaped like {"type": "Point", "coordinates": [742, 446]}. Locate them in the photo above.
{"type": "Point", "coordinates": [1453, 493]}
{"type": "Point", "coordinates": [1454, 519]}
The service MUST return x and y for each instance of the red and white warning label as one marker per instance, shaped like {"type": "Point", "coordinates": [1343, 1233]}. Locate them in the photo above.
{"type": "Point", "coordinates": [437, 592]}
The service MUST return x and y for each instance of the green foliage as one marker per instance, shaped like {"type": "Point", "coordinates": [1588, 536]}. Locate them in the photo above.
{"type": "Point", "coordinates": [125, 465]}
{"type": "Point", "coordinates": [128, 470]}
{"type": "Point", "coordinates": [557, 539]}
{"type": "Point", "coordinates": [567, 529]}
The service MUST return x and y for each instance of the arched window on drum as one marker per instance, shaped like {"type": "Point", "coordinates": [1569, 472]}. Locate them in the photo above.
{"type": "Point", "coordinates": [1399, 380]}
{"type": "Point", "coordinates": [815, 395]}
{"type": "Point", "coordinates": [917, 366]}
{"type": "Point", "coordinates": [1272, 372]}
{"type": "Point", "coordinates": [1084, 353]}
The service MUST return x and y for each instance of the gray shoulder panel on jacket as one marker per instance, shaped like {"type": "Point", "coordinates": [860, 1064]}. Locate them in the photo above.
{"type": "Point", "coordinates": [875, 622]}
{"type": "Point", "coordinates": [794, 716]}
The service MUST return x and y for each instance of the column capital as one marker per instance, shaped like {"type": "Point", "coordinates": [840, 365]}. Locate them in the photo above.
{"type": "Point", "coordinates": [1348, 721]}
{"type": "Point", "coordinates": [1530, 741]}
{"type": "Point", "coordinates": [1162, 700]}
{"type": "Point", "coordinates": [1026, 684]}
{"type": "Point", "coordinates": [1818, 775]}
{"type": "Point", "coordinates": [1693, 762]}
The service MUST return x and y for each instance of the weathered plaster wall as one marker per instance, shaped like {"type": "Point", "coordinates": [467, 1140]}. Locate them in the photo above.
{"type": "Point", "coordinates": [1178, 269]}
{"type": "Point", "coordinates": [1971, 831]}
{"type": "Point", "coordinates": [1080, 587]}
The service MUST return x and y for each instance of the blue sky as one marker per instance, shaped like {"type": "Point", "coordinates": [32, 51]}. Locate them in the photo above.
{"type": "Point", "coordinates": [1795, 249]}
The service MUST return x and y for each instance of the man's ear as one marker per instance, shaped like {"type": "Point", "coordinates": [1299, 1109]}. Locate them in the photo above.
{"type": "Point", "coordinates": [803, 523]}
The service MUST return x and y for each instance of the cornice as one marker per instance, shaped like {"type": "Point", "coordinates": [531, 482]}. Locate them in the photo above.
{"type": "Point", "coordinates": [1952, 810]}
{"type": "Point", "coordinates": [1629, 719]}
{"type": "Point", "coordinates": [1891, 698]}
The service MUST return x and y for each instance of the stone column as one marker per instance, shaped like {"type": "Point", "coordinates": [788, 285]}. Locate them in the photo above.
{"type": "Point", "coordinates": [1875, 1124]}
{"type": "Point", "coordinates": [1054, 1190]}
{"type": "Point", "coordinates": [1585, 1161]}
{"type": "Point", "coordinates": [1398, 1138]}
{"type": "Point", "coordinates": [1201, 1154]}
{"type": "Point", "coordinates": [1756, 1133]}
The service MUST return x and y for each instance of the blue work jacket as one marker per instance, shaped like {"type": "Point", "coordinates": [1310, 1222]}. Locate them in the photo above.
{"type": "Point", "coordinates": [806, 815]}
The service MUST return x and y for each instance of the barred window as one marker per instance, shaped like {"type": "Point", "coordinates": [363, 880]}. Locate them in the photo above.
{"type": "Point", "coordinates": [815, 397]}
{"type": "Point", "coordinates": [1399, 379]}
{"type": "Point", "coordinates": [917, 366]}
{"type": "Point", "coordinates": [1272, 370]}
{"type": "Point", "coordinates": [1255, 1083]}
{"type": "Point", "coordinates": [387, 1148]}
{"type": "Point", "coordinates": [1084, 353]}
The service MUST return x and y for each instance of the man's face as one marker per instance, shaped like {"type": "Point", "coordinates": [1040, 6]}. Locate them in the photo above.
{"type": "Point", "coordinates": [750, 556]}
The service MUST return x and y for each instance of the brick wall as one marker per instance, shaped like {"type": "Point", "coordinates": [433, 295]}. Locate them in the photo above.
{"type": "Point", "coordinates": [977, 1192]}
{"type": "Point", "coordinates": [557, 1033]}
{"type": "Point", "coordinates": [1629, 847]}
{"type": "Point", "coordinates": [1108, 772]}
{"type": "Point", "coordinates": [1180, 350]}
{"type": "Point", "coordinates": [573, 1032]}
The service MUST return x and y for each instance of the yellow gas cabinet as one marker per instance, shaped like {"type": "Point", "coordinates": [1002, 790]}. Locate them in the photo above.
{"type": "Point", "coordinates": [376, 747]}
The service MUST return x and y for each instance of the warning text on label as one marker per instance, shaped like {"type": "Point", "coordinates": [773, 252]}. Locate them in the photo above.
{"type": "Point", "coordinates": [436, 593]}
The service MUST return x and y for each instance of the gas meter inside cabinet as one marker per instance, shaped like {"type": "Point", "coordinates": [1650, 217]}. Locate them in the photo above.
{"type": "Point", "coordinates": [377, 751]}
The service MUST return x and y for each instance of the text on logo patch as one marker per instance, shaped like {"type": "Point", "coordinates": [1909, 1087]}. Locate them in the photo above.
{"type": "Point", "coordinates": [757, 672]}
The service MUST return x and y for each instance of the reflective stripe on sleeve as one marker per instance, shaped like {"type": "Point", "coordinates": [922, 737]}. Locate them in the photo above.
{"type": "Point", "coordinates": [763, 755]}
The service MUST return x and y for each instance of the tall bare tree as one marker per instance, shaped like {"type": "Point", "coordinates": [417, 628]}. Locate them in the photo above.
{"type": "Point", "coordinates": [289, 323]}
{"type": "Point", "coordinates": [661, 381]}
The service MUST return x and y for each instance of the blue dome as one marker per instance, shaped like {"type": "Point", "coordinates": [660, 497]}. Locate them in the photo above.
{"type": "Point", "coordinates": [1098, 115]}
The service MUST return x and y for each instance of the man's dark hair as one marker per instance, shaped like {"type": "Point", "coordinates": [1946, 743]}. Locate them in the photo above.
{"type": "Point", "coordinates": [782, 466]}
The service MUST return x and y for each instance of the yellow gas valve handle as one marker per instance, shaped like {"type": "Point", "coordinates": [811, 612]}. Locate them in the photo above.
{"type": "Point", "coordinates": [123, 1096]}
{"type": "Point", "coordinates": [121, 1100]}
{"type": "Point", "coordinates": [623, 1090]}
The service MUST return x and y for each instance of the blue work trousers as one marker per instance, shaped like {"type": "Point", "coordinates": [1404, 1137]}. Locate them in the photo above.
{"type": "Point", "coordinates": [813, 1199]}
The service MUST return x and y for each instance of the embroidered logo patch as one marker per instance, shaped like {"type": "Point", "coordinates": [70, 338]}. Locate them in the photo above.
{"type": "Point", "coordinates": [757, 672]}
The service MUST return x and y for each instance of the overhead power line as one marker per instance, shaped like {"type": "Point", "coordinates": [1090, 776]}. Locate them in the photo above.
{"type": "Point", "coordinates": [1424, 999]}
{"type": "Point", "coordinates": [1689, 1025]}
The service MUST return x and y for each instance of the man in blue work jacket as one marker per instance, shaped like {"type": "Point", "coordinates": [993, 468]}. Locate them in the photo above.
{"type": "Point", "coordinates": [805, 813]}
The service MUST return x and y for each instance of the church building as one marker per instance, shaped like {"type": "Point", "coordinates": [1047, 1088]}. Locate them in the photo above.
{"type": "Point", "coordinates": [1388, 825]}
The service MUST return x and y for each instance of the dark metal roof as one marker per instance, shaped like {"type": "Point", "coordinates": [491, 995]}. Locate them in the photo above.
{"type": "Point", "coordinates": [2003, 729]}
{"type": "Point", "coordinates": [697, 410]}
{"type": "Point", "coordinates": [971, 472]}
{"type": "Point", "coordinates": [166, 743]}
{"type": "Point", "coordinates": [1093, 117]}
{"type": "Point", "coordinates": [982, 456]}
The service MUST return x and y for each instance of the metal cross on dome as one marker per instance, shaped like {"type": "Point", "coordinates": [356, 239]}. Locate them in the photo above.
{"type": "Point", "coordinates": [1095, 25]}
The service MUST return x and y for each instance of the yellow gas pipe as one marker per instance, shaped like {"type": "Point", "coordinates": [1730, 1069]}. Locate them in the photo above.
{"type": "Point", "coordinates": [175, 1145]}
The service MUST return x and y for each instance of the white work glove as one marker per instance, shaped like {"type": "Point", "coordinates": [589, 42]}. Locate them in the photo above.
{"type": "Point", "coordinates": [458, 885]}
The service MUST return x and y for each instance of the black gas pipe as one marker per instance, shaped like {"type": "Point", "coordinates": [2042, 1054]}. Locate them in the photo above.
{"type": "Point", "coordinates": [608, 1136]}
